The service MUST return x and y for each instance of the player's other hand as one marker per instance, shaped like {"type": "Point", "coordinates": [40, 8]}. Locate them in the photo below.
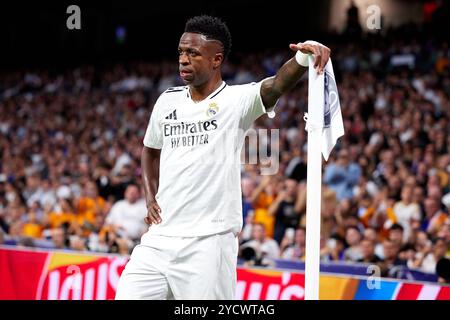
{"type": "Point", "coordinates": [153, 213]}
{"type": "Point", "coordinates": [321, 53]}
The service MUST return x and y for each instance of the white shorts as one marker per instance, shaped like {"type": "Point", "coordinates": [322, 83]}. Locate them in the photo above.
{"type": "Point", "coordinates": [181, 268]}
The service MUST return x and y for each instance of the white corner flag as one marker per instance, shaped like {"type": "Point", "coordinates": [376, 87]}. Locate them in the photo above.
{"type": "Point", "coordinates": [324, 125]}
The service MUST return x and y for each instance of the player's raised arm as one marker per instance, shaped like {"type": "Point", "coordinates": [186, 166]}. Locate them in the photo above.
{"type": "Point", "coordinates": [288, 75]}
{"type": "Point", "coordinates": [150, 177]}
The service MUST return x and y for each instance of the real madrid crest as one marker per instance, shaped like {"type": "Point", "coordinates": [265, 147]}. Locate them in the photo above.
{"type": "Point", "coordinates": [212, 109]}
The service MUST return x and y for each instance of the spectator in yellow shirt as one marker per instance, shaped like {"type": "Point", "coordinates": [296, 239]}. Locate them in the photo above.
{"type": "Point", "coordinates": [32, 228]}
{"type": "Point", "coordinates": [63, 212]}
{"type": "Point", "coordinates": [89, 205]}
{"type": "Point", "coordinates": [262, 198]}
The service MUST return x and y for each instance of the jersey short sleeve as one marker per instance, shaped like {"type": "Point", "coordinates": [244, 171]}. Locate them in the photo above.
{"type": "Point", "coordinates": [252, 104]}
{"type": "Point", "coordinates": [153, 135]}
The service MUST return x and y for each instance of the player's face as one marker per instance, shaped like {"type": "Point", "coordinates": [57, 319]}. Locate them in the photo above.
{"type": "Point", "coordinates": [198, 58]}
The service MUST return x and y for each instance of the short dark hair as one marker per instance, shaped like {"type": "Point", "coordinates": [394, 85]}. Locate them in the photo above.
{"type": "Point", "coordinates": [338, 238]}
{"type": "Point", "coordinates": [134, 184]}
{"type": "Point", "coordinates": [301, 228]}
{"type": "Point", "coordinates": [435, 240]}
{"type": "Point", "coordinates": [407, 247]}
{"type": "Point", "coordinates": [353, 227]}
{"type": "Point", "coordinates": [211, 28]}
{"type": "Point", "coordinates": [397, 226]}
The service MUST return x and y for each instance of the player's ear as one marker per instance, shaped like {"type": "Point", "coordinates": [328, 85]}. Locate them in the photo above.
{"type": "Point", "coordinates": [217, 60]}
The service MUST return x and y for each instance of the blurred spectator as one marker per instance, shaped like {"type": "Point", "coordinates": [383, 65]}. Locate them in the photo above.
{"type": "Point", "coordinates": [406, 210]}
{"type": "Point", "coordinates": [109, 240]}
{"type": "Point", "coordinates": [294, 249]}
{"type": "Point", "coordinates": [296, 168]}
{"type": "Point", "coordinates": [407, 254]}
{"type": "Point", "coordinates": [391, 259]}
{"type": "Point", "coordinates": [127, 216]}
{"type": "Point", "coordinates": [248, 187]}
{"type": "Point", "coordinates": [342, 176]}
{"type": "Point", "coordinates": [33, 226]}
{"type": "Point", "coordinates": [426, 260]}
{"type": "Point", "coordinates": [96, 239]}
{"type": "Point", "coordinates": [372, 235]}
{"type": "Point", "coordinates": [368, 252]}
{"type": "Point", "coordinates": [77, 243]}
{"type": "Point", "coordinates": [262, 198]}
{"type": "Point", "coordinates": [353, 240]}
{"type": "Point", "coordinates": [444, 233]}
{"type": "Point", "coordinates": [59, 238]}
{"type": "Point", "coordinates": [263, 246]}
{"type": "Point", "coordinates": [335, 249]}
{"type": "Point", "coordinates": [62, 213]}
{"type": "Point", "coordinates": [89, 207]}
{"type": "Point", "coordinates": [102, 179]}
{"type": "Point", "coordinates": [284, 208]}
{"type": "Point", "coordinates": [396, 234]}
{"type": "Point", "coordinates": [434, 216]}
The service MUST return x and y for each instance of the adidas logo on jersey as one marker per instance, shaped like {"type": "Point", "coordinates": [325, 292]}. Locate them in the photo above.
{"type": "Point", "coordinates": [172, 115]}
{"type": "Point", "coordinates": [174, 89]}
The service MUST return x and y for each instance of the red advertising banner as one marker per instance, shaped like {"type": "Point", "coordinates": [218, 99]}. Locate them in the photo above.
{"type": "Point", "coordinates": [55, 275]}
{"type": "Point", "coordinates": [20, 272]}
{"type": "Point", "coordinates": [255, 284]}
{"type": "Point", "coordinates": [58, 276]}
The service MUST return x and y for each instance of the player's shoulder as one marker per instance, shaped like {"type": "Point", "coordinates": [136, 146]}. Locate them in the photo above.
{"type": "Point", "coordinates": [172, 94]}
{"type": "Point", "coordinates": [243, 87]}
{"type": "Point", "coordinates": [241, 91]}
{"type": "Point", "coordinates": [175, 90]}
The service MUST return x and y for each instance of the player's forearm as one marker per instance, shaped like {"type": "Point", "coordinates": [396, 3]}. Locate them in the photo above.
{"type": "Point", "coordinates": [285, 79]}
{"type": "Point", "coordinates": [150, 172]}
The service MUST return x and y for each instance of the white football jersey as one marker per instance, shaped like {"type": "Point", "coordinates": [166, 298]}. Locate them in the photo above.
{"type": "Point", "coordinates": [200, 183]}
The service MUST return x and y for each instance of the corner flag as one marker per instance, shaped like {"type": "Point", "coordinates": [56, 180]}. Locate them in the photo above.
{"type": "Point", "coordinates": [324, 125]}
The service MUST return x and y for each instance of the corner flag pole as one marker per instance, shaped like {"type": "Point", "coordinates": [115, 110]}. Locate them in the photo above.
{"type": "Point", "coordinates": [313, 188]}
{"type": "Point", "coordinates": [324, 126]}
{"type": "Point", "coordinates": [313, 202]}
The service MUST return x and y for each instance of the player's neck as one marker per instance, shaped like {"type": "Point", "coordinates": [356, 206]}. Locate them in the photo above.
{"type": "Point", "coordinates": [200, 93]}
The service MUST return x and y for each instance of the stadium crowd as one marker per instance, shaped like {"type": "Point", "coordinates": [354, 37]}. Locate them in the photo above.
{"type": "Point", "coordinates": [70, 145]}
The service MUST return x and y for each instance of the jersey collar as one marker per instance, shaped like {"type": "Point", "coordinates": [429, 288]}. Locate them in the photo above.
{"type": "Point", "coordinates": [211, 95]}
